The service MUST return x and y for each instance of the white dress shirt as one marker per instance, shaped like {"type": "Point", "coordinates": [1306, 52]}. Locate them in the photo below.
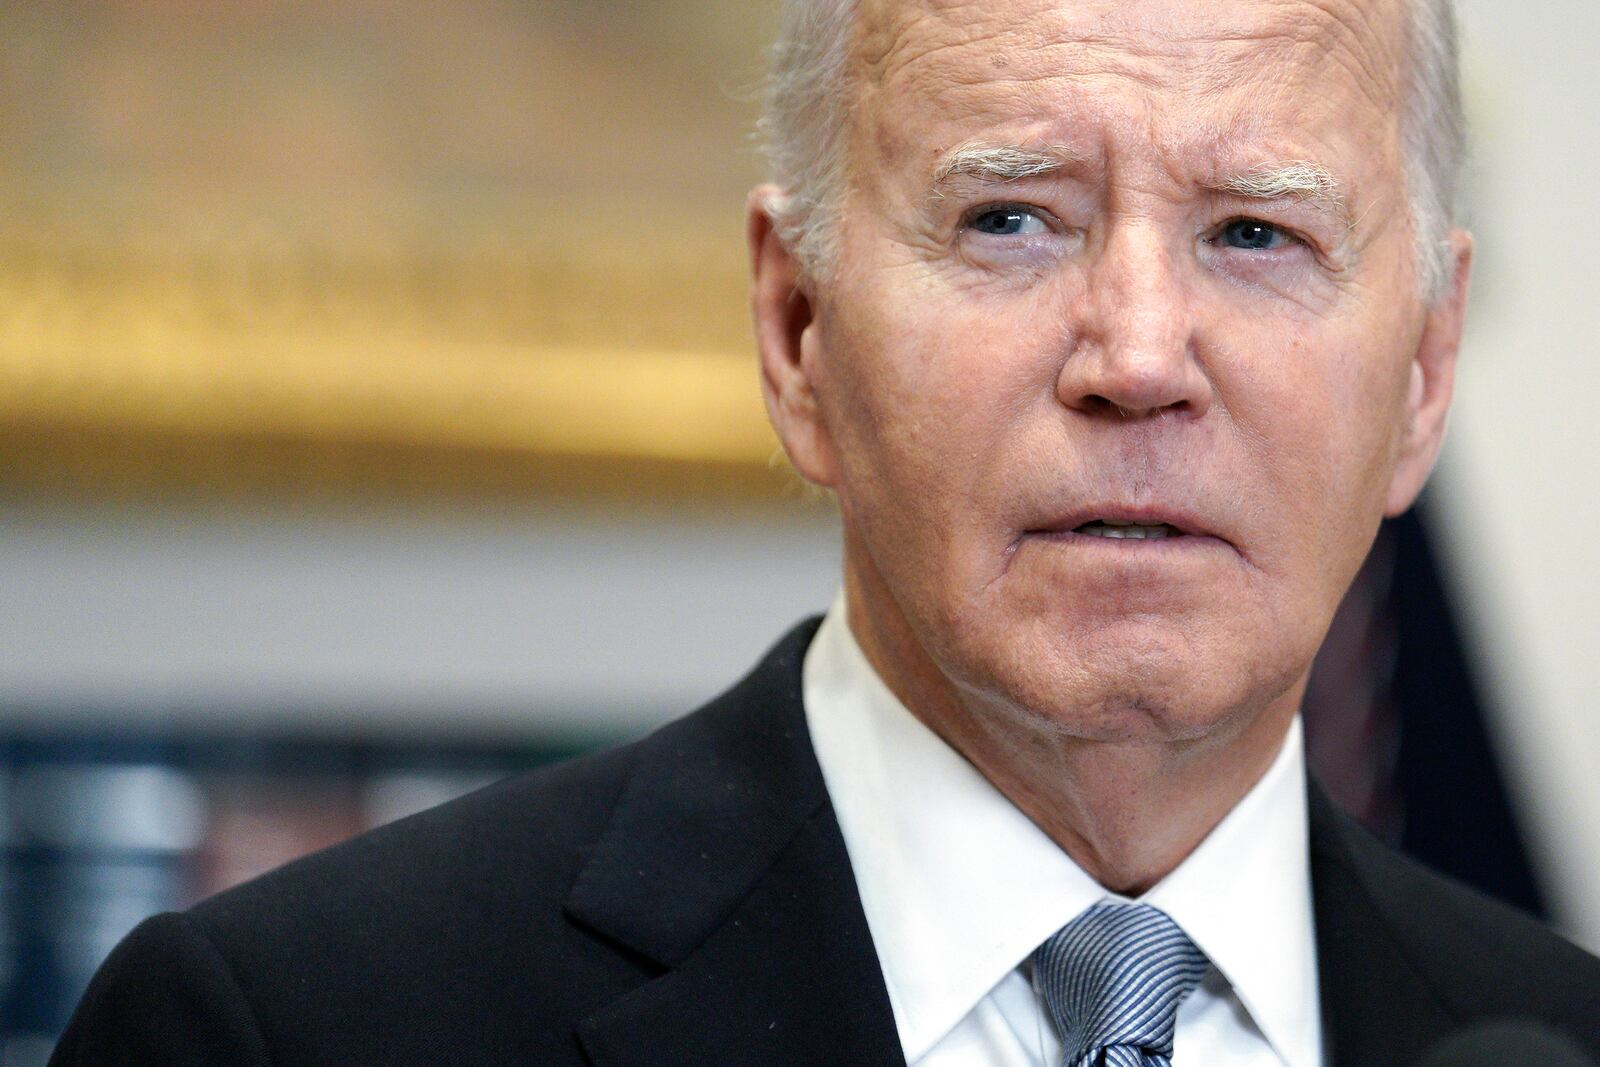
{"type": "Point", "coordinates": [959, 887]}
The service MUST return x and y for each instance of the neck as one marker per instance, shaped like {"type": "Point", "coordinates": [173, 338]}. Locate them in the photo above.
{"type": "Point", "coordinates": [1128, 813]}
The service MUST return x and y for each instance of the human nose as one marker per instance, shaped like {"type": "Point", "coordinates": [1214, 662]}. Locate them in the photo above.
{"type": "Point", "coordinates": [1134, 352]}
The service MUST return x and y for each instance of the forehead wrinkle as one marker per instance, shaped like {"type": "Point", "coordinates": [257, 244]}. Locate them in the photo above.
{"type": "Point", "coordinates": [1374, 38]}
{"type": "Point", "coordinates": [888, 35]}
{"type": "Point", "coordinates": [896, 41]}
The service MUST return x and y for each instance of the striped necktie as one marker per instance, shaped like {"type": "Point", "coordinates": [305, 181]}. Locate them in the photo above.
{"type": "Point", "coordinates": [1112, 979]}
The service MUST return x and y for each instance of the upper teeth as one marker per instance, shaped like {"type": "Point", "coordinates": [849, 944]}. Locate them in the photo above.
{"type": "Point", "coordinates": [1117, 528]}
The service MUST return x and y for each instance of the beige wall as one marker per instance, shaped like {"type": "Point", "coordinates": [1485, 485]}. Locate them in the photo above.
{"type": "Point", "coordinates": [1521, 478]}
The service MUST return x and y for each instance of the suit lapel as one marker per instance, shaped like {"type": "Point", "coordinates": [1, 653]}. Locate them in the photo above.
{"type": "Point", "coordinates": [724, 865]}
{"type": "Point", "coordinates": [1378, 1010]}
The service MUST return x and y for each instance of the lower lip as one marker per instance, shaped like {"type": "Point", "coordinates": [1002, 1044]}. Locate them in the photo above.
{"type": "Point", "coordinates": [1172, 544]}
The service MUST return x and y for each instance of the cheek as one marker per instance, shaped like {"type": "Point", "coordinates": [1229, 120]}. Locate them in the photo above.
{"type": "Point", "coordinates": [1323, 430]}
{"type": "Point", "coordinates": [923, 394]}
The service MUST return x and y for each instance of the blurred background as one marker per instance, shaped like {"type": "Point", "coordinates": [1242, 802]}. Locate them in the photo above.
{"type": "Point", "coordinates": [378, 417]}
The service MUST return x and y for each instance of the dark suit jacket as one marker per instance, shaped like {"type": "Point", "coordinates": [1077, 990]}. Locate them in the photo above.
{"type": "Point", "coordinates": [687, 900]}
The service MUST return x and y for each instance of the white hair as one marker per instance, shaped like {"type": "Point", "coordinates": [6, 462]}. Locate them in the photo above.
{"type": "Point", "coordinates": [809, 94]}
{"type": "Point", "coordinates": [1433, 139]}
{"type": "Point", "coordinates": [804, 126]}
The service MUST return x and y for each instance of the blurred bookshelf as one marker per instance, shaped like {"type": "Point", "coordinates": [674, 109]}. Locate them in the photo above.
{"type": "Point", "coordinates": [101, 830]}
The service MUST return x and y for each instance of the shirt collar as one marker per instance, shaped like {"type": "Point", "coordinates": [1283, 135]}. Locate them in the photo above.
{"type": "Point", "coordinates": [1244, 896]}
{"type": "Point", "coordinates": [959, 886]}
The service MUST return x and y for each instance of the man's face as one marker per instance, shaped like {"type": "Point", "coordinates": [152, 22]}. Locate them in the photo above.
{"type": "Point", "coordinates": [1200, 316]}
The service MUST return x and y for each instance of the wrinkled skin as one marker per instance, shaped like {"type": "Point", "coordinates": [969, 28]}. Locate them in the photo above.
{"type": "Point", "coordinates": [972, 394]}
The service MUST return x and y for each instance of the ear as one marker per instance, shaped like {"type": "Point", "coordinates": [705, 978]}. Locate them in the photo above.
{"type": "Point", "coordinates": [1433, 379]}
{"type": "Point", "coordinates": [788, 341]}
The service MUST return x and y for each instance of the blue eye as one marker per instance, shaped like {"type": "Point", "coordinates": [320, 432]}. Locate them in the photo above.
{"type": "Point", "coordinates": [1253, 235]}
{"type": "Point", "coordinates": [1007, 222]}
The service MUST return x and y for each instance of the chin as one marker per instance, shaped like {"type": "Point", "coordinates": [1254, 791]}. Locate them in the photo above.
{"type": "Point", "coordinates": [1151, 687]}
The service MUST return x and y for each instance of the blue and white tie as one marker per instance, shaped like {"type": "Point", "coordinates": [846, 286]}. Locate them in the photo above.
{"type": "Point", "coordinates": [1113, 979]}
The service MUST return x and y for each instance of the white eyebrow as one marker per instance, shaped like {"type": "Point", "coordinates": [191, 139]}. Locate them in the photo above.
{"type": "Point", "coordinates": [1001, 163]}
{"type": "Point", "coordinates": [1297, 179]}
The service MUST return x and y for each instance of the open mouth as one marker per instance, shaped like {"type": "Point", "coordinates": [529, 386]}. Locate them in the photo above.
{"type": "Point", "coordinates": [1117, 529]}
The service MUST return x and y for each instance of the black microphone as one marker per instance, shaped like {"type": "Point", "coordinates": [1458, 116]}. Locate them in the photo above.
{"type": "Point", "coordinates": [1507, 1043]}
